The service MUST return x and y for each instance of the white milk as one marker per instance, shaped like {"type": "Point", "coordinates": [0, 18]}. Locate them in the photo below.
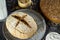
{"type": "Point", "coordinates": [3, 10]}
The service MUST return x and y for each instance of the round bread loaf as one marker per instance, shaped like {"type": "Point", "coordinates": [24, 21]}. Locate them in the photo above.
{"type": "Point", "coordinates": [21, 25]}
{"type": "Point", "coordinates": [51, 9]}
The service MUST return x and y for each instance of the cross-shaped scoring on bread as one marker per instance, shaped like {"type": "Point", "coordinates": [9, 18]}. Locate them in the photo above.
{"type": "Point", "coordinates": [21, 25]}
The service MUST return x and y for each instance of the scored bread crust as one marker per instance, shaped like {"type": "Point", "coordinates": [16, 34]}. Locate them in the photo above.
{"type": "Point", "coordinates": [51, 9]}
{"type": "Point", "coordinates": [18, 28]}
